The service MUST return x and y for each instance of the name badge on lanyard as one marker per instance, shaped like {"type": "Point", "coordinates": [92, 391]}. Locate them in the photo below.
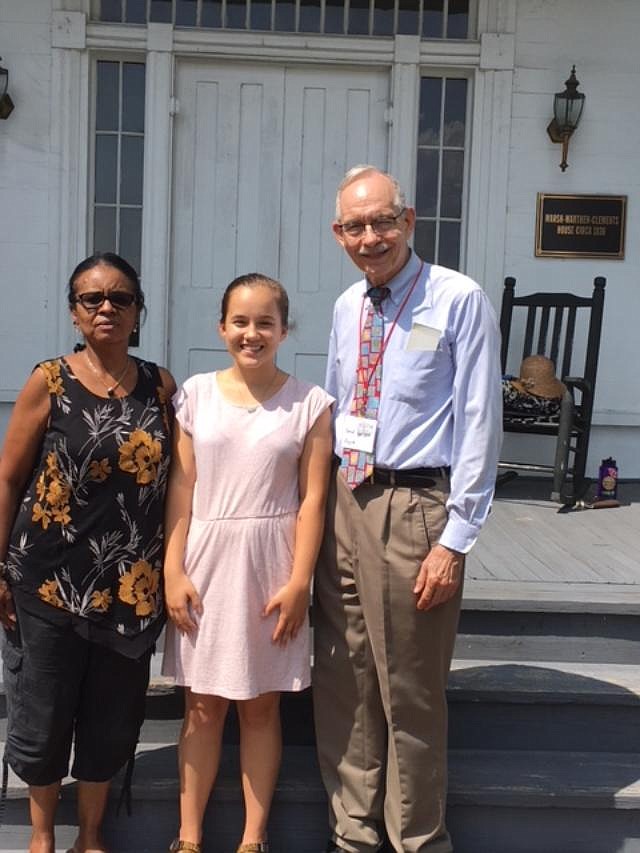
{"type": "Point", "coordinates": [359, 433]}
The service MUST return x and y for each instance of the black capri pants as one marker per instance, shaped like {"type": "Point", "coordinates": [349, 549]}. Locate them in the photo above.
{"type": "Point", "coordinates": [62, 688]}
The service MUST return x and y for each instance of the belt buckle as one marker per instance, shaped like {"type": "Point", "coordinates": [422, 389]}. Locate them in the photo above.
{"type": "Point", "coordinates": [392, 477]}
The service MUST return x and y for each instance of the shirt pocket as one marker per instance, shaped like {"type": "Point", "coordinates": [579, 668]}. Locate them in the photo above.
{"type": "Point", "coordinates": [413, 376]}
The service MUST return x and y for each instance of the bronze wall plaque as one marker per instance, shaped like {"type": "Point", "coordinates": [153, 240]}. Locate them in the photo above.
{"type": "Point", "coordinates": [580, 226]}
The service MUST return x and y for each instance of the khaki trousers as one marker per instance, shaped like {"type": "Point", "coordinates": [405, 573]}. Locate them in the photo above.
{"type": "Point", "coordinates": [380, 669]}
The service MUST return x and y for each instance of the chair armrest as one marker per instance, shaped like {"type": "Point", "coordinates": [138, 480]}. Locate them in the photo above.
{"type": "Point", "coordinates": [577, 382]}
{"type": "Point", "coordinates": [567, 408]}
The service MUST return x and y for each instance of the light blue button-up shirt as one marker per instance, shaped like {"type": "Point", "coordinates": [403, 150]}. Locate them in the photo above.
{"type": "Point", "coordinates": [441, 399]}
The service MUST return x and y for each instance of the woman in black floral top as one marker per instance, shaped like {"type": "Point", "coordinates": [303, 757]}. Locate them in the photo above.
{"type": "Point", "coordinates": [82, 481]}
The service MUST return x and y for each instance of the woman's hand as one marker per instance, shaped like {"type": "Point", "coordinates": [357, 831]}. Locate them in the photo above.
{"type": "Point", "coordinates": [183, 602]}
{"type": "Point", "coordinates": [7, 610]}
{"type": "Point", "coordinates": [293, 602]}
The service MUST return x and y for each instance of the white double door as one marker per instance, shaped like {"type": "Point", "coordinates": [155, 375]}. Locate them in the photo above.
{"type": "Point", "coordinates": [259, 150]}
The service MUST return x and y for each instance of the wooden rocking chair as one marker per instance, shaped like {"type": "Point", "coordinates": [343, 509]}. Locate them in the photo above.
{"type": "Point", "coordinates": [549, 330]}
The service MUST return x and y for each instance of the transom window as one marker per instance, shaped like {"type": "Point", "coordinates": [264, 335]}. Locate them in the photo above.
{"type": "Point", "coordinates": [426, 18]}
{"type": "Point", "coordinates": [442, 133]}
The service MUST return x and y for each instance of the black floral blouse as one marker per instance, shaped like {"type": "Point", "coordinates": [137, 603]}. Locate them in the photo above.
{"type": "Point", "coordinates": [88, 537]}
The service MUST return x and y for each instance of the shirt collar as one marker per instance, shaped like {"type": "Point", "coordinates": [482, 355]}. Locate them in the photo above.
{"type": "Point", "coordinates": [401, 282]}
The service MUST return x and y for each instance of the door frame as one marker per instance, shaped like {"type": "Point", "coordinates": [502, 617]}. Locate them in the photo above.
{"type": "Point", "coordinates": [317, 118]}
{"type": "Point", "coordinates": [75, 39]}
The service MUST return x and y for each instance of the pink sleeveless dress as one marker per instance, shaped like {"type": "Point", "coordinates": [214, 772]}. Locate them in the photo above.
{"type": "Point", "coordinates": [240, 543]}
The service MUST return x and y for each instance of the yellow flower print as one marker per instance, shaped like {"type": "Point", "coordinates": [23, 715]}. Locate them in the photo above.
{"type": "Point", "coordinates": [61, 514]}
{"type": "Point", "coordinates": [53, 496]}
{"type": "Point", "coordinates": [57, 493]}
{"type": "Point", "coordinates": [41, 488]}
{"type": "Point", "coordinates": [101, 600]}
{"type": "Point", "coordinates": [163, 397]}
{"type": "Point", "coordinates": [41, 514]}
{"type": "Point", "coordinates": [139, 587]}
{"type": "Point", "coordinates": [140, 455]}
{"type": "Point", "coordinates": [49, 592]}
{"type": "Point", "coordinates": [51, 370]}
{"type": "Point", "coordinates": [99, 470]}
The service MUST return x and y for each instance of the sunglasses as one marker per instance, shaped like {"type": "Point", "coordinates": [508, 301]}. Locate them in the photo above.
{"type": "Point", "coordinates": [95, 298]}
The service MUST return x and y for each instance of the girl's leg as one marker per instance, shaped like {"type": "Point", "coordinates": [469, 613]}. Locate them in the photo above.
{"type": "Point", "coordinates": [198, 758]}
{"type": "Point", "coordinates": [260, 754]}
{"type": "Point", "coordinates": [43, 801]}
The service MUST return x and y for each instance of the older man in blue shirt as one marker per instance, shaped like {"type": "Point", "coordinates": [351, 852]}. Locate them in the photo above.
{"type": "Point", "coordinates": [389, 578]}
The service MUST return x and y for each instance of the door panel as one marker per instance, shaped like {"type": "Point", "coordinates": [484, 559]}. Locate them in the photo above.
{"type": "Point", "coordinates": [258, 153]}
{"type": "Point", "coordinates": [334, 119]}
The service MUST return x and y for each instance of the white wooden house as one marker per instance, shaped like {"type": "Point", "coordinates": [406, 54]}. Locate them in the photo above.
{"type": "Point", "coordinates": [205, 138]}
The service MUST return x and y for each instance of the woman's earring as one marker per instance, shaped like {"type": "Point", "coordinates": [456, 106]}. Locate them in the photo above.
{"type": "Point", "coordinates": [79, 344]}
{"type": "Point", "coordinates": [134, 337]}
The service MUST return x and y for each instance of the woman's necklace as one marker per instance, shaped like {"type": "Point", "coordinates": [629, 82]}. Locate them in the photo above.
{"type": "Point", "coordinates": [111, 389]}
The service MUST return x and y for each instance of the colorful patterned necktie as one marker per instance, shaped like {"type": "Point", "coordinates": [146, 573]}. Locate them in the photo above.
{"type": "Point", "coordinates": [357, 465]}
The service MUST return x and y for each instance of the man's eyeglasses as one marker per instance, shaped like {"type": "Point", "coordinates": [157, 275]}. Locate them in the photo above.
{"type": "Point", "coordinates": [92, 300]}
{"type": "Point", "coordinates": [381, 226]}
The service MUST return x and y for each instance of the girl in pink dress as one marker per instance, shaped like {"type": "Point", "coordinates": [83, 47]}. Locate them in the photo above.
{"type": "Point", "coordinates": [244, 519]}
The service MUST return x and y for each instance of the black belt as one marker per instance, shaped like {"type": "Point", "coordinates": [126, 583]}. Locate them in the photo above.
{"type": "Point", "coordinates": [407, 476]}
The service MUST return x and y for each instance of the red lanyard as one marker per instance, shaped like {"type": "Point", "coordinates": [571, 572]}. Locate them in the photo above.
{"type": "Point", "coordinates": [383, 346]}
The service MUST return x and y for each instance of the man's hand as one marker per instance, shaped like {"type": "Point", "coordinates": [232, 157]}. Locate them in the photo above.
{"type": "Point", "coordinates": [439, 577]}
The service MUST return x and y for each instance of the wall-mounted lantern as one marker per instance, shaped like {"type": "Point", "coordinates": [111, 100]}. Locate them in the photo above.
{"type": "Point", "coordinates": [6, 104]}
{"type": "Point", "coordinates": [567, 110]}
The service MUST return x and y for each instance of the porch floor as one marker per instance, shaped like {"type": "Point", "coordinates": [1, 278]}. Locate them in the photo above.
{"type": "Point", "coordinates": [532, 550]}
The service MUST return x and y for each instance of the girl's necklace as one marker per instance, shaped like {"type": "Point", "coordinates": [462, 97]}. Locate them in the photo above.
{"type": "Point", "coordinates": [262, 395]}
{"type": "Point", "coordinates": [111, 389]}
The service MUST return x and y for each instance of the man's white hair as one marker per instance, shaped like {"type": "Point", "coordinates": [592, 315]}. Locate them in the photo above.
{"type": "Point", "coordinates": [356, 172]}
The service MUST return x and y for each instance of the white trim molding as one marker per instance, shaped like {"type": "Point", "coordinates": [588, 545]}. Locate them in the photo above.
{"type": "Point", "coordinates": [68, 172]}
{"type": "Point", "coordinates": [156, 201]}
{"type": "Point", "coordinates": [405, 92]}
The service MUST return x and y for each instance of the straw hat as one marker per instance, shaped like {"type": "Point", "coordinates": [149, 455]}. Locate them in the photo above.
{"type": "Point", "coordinates": [537, 376]}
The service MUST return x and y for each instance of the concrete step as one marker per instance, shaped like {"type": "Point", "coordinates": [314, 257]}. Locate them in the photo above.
{"type": "Point", "coordinates": [590, 707]}
{"type": "Point", "coordinates": [542, 596]}
{"type": "Point", "coordinates": [542, 802]}
{"type": "Point", "coordinates": [500, 801]}
{"type": "Point", "coordinates": [549, 622]}
{"type": "Point", "coordinates": [493, 704]}
{"type": "Point", "coordinates": [548, 636]}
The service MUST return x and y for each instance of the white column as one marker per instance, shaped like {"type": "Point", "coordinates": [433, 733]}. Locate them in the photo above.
{"type": "Point", "coordinates": [68, 157]}
{"type": "Point", "coordinates": [156, 211]}
{"type": "Point", "coordinates": [403, 117]}
{"type": "Point", "coordinates": [488, 187]}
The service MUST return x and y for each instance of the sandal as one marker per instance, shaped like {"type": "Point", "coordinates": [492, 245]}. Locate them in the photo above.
{"type": "Point", "coordinates": [188, 846]}
{"type": "Point", "coordinates": [254, 847]}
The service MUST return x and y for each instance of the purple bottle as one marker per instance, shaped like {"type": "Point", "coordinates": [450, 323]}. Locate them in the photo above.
{"type": "Point", "coordinates": [608, 479]}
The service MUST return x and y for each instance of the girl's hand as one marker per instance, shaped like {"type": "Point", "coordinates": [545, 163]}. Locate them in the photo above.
{"type": "Point", "coordinates": [182, 602]}
{"type": "Point", "coordinates": [293, 602]}
{"type": "Point", "coordinates": [7, 610]}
